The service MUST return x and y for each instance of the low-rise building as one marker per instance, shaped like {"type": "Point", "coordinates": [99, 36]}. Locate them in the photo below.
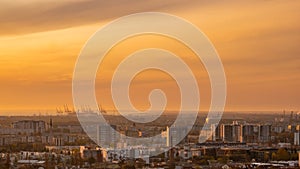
{"type": "Point", "coordinates": [32, 126]}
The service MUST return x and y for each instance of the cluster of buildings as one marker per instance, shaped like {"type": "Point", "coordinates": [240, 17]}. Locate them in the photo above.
{"type": "Point", "coordinates": [206, 155]}
{"type": "Point", "coordinates": [238, 141]}
{"type": "Point", "coordinates": [243, 132]}
{"type": "Point", "coordinates": [40, 132]}
{"type": "Point", "coordinates": [227, 142]}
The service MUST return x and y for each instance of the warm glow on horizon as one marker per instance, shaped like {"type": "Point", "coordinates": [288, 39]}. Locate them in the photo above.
{"type": "Point", "coordinates": [257, 41]}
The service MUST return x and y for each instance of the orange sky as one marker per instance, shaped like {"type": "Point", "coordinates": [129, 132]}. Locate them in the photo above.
{"type": "Point", "coordinates": [258, 42]}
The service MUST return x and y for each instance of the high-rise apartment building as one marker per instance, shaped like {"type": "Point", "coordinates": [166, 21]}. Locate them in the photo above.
{"type": "Point", "coordinates": [264, 133]}
{"type": "Point", "coordinates": [297, 138]}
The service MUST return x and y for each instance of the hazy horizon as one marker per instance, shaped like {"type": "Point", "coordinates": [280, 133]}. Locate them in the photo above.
{"type": "Point", "coordinates": [113, 112]}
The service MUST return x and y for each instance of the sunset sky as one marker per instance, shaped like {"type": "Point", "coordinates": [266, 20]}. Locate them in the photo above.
{"type": "Point", "coordinates": [258, 42]}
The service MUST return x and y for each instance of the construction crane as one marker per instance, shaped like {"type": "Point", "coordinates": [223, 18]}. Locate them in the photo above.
{"type": "Point", "coordinates": [59, 111]}
{"type": "Point", "coordinates": [67, 110]}
{"type": "Point", "coordinates": [101, 110]}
